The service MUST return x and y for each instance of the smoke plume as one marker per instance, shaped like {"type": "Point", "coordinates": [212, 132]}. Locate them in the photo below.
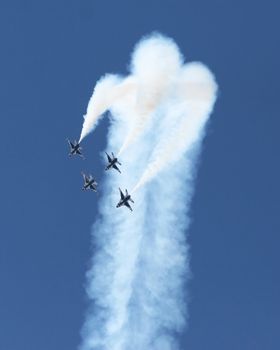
{"type": "Point", "coordinates": [137, 278]}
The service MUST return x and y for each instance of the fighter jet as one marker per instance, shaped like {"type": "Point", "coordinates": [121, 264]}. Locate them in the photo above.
{"type": "Point", "coordinates": [90, 183]}
{"type": "Point", "coordinates": [124, 200]}
{"type": "Point", "coordinates": [75, 148]}
{"type": "Point", "coordinates": [113, 161]}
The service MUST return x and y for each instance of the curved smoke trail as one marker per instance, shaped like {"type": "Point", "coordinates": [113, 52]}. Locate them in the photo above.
{"type": "Point", "coordinates": [186, 115]}
{"type": "Point", "coordinates": [155, 64]}
{"type": "Point", "coordinates": [108, 90]}
{"type": "Point", "coordinates": [140, 265]}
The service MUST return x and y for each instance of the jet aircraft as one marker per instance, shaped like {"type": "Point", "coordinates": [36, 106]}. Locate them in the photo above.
{"type": "Point", "coordinates": [113, 161]}
{"type": "Point", "coordinates": [75, 148]}
{"type": "Point", "coordinates": [124, 200]}
{"type": "Point", "coordinates": [89, 183]}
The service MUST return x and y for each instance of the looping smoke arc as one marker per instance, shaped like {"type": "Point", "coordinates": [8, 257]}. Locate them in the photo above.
{"type": "Point", "coordinates": [139, 269]}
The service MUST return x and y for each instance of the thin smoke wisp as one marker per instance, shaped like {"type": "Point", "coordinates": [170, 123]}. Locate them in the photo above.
{"type": "Point", "coordinates": [137, 279]}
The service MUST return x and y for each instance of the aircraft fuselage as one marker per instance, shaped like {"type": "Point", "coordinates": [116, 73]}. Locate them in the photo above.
{"type": "Point", "coordinates": [112, 163]}
{"type": "Point", "coordinates": [123, 201]}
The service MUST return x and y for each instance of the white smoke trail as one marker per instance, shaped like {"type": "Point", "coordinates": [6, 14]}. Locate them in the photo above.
{"type": "Point", "coordinates": [140, 264]}
{"type": "Point", "coordinates": [186, 115]}
{"type": "Point", "coordinates": [155, 64]}
{"type": "Point", "coordinates": [107, 90]}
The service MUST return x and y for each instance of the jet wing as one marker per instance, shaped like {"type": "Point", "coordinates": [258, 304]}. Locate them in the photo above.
{"type": "Point", "coordinates": [93, 188]}
{"type": "Point", "coordinates": [70, 144]}
{"type": "Point", "coordinates": [109, 158]}
{"type": "Point", "coordinates": [122, 195]}
{"type": "Point", "coordinates": [94, 182]}
{"type": "Point", "coordinates": [115, 167]}
{"type": "Point", "coordinates": [127, 205]}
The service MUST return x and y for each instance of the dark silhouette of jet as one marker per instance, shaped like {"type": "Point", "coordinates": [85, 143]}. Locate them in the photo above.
{"type": "Point", "coordinates": [112, 162]}
{"type": "Point", "coordinates": [124, 200]}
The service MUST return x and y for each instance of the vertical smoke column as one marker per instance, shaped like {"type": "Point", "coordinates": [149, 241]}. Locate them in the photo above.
{"type": "Point", "coordinates": [117, 237]}
{"type": "Point", "coordinates": [140, 265]}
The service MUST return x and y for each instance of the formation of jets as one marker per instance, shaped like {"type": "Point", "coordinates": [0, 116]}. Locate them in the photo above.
{"type": "Point", "coordinates": [89, 181]}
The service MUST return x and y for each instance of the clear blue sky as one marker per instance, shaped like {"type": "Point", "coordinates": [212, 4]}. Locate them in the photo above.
{"type": "Point", "coordinates": [52, 53]}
